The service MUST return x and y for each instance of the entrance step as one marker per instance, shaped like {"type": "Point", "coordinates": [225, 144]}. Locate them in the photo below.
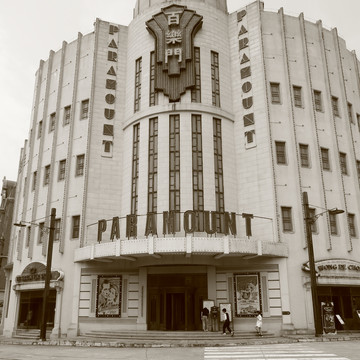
{"type": "Point", "coordinates": [33, 334]}
{"type": "Point", "coordinates": [170, 335]}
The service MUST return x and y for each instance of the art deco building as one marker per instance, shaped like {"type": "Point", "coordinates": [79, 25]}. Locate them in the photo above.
{"type": "Point", "coordinates": [176, 152]}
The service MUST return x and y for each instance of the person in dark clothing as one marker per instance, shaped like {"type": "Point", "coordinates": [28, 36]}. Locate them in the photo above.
{"type": "Point", "coordinates": [205, 318]}
{"type": "Point", "coordinates": [226, 325]}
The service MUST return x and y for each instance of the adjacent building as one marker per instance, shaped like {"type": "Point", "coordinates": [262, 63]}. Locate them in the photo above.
{"type": "Point", "coordinates": [176, 152]}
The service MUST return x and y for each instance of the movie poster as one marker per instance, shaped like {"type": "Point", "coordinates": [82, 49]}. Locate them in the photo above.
{"type": "Point", "coordinates": [108, 296]}
{"type": "Point", "coordinates": [328, 317]}
{"type": "Point", "coordinates": [247, 295]}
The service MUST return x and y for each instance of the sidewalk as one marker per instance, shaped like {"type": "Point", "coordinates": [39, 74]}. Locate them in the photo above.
{"type": "Point", "coordinates": [177, 340]}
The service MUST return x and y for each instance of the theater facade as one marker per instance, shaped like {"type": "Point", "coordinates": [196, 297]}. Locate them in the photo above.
{"type": "Point", "coordinates": [175, 152]}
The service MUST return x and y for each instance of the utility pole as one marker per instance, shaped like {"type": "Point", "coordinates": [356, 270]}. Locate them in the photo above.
{"type": "Point", "coordinates": [47, 275]}
{"type": "Point", "coordinates": [314, 294]}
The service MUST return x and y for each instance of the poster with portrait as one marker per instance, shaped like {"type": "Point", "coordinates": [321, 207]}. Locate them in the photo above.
{"type": "Point", "coordinates": [247, 292]}
{"type": "Point", "coordinates": [108, 296]}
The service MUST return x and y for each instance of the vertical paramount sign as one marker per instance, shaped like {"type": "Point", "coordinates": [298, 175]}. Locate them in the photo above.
{"type": "Point", "coordinates": [174, 29]}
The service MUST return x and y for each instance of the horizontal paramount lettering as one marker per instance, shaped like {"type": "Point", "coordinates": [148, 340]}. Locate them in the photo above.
{"type": "Point", "coordinates": [210, 222]}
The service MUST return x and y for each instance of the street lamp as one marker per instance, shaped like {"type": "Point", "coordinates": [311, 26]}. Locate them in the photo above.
{"type": "Point", "coordinates": [308, 222]}
{"type": "Point", "coordinates": [48, 271]}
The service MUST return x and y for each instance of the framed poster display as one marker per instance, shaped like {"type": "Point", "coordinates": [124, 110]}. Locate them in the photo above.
{"type": "Point", "coordinates": [247, 293]}
{"type": "Point", "coordinates": [208, 304]}
{"type": "Point", "coordinates": [108, 296]}
{"type": "Point", "coordinates": [226, 306]}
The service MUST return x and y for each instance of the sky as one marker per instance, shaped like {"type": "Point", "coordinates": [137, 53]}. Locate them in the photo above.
{"type": "Point", "coordinates": [29, 29]}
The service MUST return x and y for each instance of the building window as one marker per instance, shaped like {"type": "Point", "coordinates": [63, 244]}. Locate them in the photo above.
{"type": "Point", "coordinates": [215, 80]}
{"type": "Point", "coordinates": [153, 165]}
{"type": "Point", "coordinates": [358, 120]}
{"type": "Point", "coordinates": [67, 113]}
{"type": "Point", "coordinates": [40, 129]}
{"type": "Point", "coordinates": [219, 174]}
{"type": "Point", "coordinates": [47, 175]}
{"type": "Point", "coordinates": [197, 170]}
{"type": "Point", "coordinates": [333, 224]}
{"type": "Point", "coordinates": [34, 180]}
{"type": "Point", "coordinates": [174, 171]}
{"type": "Point", "coordinates": [108, 130]}
{"type": "Point", "coordinates": [84, 109]}
{"type": "Point", "coordinates": [107, 146]}
{"type": "Point", "coordinates": [135, 169]}
{"type": "Point", "coordinates": [304, 155]}
{"type": "Point", "coordinates": [351, 222]}
{"type": "Point", "coordinates": [280, 152]}
{"type": "Point", "coordinates": [350, 113]}
{"type": "Point", "coordinates": [41, 233]}
{"type": "Point", "coordinates": [325, 158]}
{"type": "Point", "coordinates": [28, 236]}
{"type": "Point", "coordinates": [52, 122]}
{"type": "Point", "coordinates": [196, 90]}
{"type": "Point", "coordinates": [335, 105]}
{"type": "Point", "coordinates": [275, 93]}
{"type": "Point", "coordinates": [297, 96]}
{"type": "Point", "coordinates": [153, 93]}
{"type": "Point", "coordinates": [313, 223]}
{"type": "Point", "coordinates": [75, 230]}
{"type": "Point", "coordinates": [62, 167]}
{"type": "Point", "coordinates": [358, 169]}
{"type": "Point", "coordinates": [343, 166]}
{"type": "Point", "coordinates": [80, 162]}
{"type": "Point", "coordinates": [57, 230]}
{"type": "Point", "coordinates": [138, 66]}
{"type": "Point", "coordinates": [286, 219]}
{"type": "Point", "coordinates": [250, 137]}
{"type": "Point", "coordinates": [317, 100]}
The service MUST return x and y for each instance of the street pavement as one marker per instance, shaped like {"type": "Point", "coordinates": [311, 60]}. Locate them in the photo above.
{"type": "Point", "coordinates": [337, 350]}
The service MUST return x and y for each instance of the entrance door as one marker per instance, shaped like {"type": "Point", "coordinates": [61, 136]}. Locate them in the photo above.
{"type": "Point", "coordinates": [30, 311]}
{"type": "Point", "coordinates": [175, 301]}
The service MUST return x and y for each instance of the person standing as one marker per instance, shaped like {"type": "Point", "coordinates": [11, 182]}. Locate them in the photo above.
{"type": "Point", "coordinates": [214, 311]}
{"type": "Point", "coordinates": [259, 323]}
{"type": "Point", "coordinates": [205, 318]}
{"type": "Point", "coordinates": [226, 325]}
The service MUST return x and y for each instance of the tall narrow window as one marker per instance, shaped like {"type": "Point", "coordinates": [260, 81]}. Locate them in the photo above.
{"type": "Point", "coordinates": [350, 112]}
{"type": "Point", "coordinates": [325, 159]}
{"type": "Point", "coordinates": [196, 91]}
{"type": "Point", "coordinates": [215, 80]}
{"type": "Point", "coordinates": [84, 109]}
{"type": "Point", "coordinates": [40, 129]}
{"type": "Point", "coordinates": [135, 169]}
{"type": "Point", "coordinates": [80, 162]}
{"type": "Point", "coordinates": [358, 120]}
{"type": "Point", "coordinates": [286, 219]}
{"type": "Point", "coordinates": [335, 105]}
{"type": "Point", "coordinates": [153, 165]}
{"type": "Point", "coordinates": [304, 155]}
{"type": "Point", "coordinates": [52, 122]}
{"type": "Point", "coordinates": [358, 169]}
{"type": "Point", "coordinates": [197, 171]}
{"type": "Point", "coordinates": [313, 223]}
{"type": "Point", "coordinates": [34, 180]}
{"type": "Point", "coordinates": [174, 171]}
{"type": "Point", "coordinates": [57, 229]}
{"type": "Point", "coordinates": [343, 164]}
{"type": "Point", "coordinates": [75, 229]}
{"type": "Point", "coordinates": [351, 222]}
{"type": "Point", "coordinates": [275, 93]}
{"type": "Point", "coordinates": [219, 174]}
{"type": "Point", "coordinates": [333, 224]}
{"type": "Point", "coordinates": [297, 96]}
{"type": "Point", "coordinates": [317, 100]}
{"type": "Point", "coordinates": [62, 167]}
{"type": "Point", "coordinates": [47, 175]}
{"type": "Point", "coordinates": [137, 98]}
{"type": "Point", "coordinates": [280, 152]}
{"type": "Point", "coordinates": [41, 233]}
{"type": "Point", "coordinates": [28, 236]}
{"type": "Point", "coordinates": [67, 113]}
{"type": "Point", "coordinates": [153, 93]}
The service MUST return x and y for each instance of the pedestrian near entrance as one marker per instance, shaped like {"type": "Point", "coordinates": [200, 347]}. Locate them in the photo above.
{"type": "Point", "coordinates": [214, 311]}
{"type": "Point", "coordinates": [205, 318]}
{"type": "Point", "coordinates": [259, 323]}
{"type": "Point", "coordinates": [226, 325]}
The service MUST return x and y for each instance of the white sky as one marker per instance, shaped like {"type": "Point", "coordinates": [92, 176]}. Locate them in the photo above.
{"type": "Point", "coordinates": [29, 29]}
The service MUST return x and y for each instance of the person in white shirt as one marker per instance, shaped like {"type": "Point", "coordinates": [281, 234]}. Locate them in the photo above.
{"type": "Point", "coordinates": [258, 323]}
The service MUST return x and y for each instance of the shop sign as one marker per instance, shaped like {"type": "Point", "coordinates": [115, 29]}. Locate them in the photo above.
{"type": "Point", "coordinates": [340, 267]}
{"type": "Point", "coordinates": [37, 276]}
